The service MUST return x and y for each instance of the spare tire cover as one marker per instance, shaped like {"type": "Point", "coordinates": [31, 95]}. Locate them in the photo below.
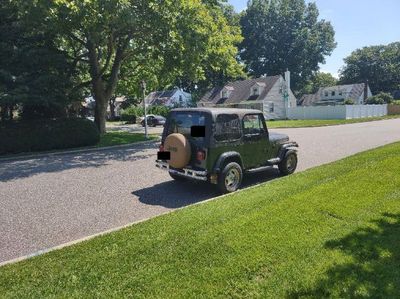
{"type": "Point", "coordinates": [179, 148]}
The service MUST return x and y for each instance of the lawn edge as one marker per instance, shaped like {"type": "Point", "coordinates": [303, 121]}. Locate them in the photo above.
{"type": "Point", "coordinates": [21, 157]}
{"type": "Point", "coordinates": [331, 125]}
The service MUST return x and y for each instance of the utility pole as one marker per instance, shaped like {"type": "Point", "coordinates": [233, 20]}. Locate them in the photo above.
{"type": "Point", "coordinates": [143, 85]}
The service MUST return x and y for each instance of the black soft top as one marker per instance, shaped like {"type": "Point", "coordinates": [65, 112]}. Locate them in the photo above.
{"type": "Point", "coordinates": [216, 111]}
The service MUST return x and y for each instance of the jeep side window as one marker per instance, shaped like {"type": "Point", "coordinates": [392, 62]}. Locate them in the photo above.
{"type": "Point", "coordinates": [227, 127]}
{"type": "Point", "coordinates": [252, 124]}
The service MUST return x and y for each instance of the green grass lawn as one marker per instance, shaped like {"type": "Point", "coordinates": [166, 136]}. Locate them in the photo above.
{"type": "Point", "coordinates": [322, 122]}
{"type": "Point", "coordinates": [119, 138]}
{"type": "Point", "coordinates": [331, 231]}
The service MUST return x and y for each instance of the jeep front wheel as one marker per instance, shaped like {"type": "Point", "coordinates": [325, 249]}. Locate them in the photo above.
{"type": "Point", "coordinates": [288, 164]}
{"type": "Point", "coordinates": [230, 178]}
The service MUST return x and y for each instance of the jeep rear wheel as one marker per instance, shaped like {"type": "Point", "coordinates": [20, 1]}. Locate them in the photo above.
{"type": "Point", "coordinates": [288, 164]}
{"type": "Point", "coordinates": [230, 178]}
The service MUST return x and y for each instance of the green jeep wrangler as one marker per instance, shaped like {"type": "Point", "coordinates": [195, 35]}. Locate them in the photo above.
{"type": "Point", "coordinates": [219, 145]}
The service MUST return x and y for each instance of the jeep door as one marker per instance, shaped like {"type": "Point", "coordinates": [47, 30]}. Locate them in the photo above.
{"type": "Point", "coordinates": [255, 143]}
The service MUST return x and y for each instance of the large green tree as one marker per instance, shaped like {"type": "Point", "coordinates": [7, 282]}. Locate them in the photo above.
{"type": "Point", "coordinates": [285, 34]}
{"type": "Point", "coordinates": [167, 39]}
{"type": "Point", "coordinates": [380, 65]}
{"type": "Point", "coordinates": [34, 75]}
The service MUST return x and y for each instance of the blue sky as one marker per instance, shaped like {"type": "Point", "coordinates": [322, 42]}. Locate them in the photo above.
{"type": "Point", "coordinates": [357, 23]}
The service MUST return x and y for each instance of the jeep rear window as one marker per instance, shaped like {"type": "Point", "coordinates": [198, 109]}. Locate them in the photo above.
{"type": "Point", "coordinates": [227, 127]}
{"type": "Point", "coordinates": [181, 122]}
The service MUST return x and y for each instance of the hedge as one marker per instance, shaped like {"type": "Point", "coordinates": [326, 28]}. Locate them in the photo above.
{"type": "Point", "coordinates": [46, 134]}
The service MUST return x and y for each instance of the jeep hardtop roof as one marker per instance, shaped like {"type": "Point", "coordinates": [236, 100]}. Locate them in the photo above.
{"type": "Point", "coordinates": [216, 111]}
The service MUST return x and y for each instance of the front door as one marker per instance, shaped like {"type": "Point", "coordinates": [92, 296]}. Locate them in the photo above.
{"type": "Point", "coordinates": [255, 141]}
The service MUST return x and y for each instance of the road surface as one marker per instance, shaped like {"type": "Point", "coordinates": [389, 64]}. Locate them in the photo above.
{"type": "Point", "coordinates": [52, 200]}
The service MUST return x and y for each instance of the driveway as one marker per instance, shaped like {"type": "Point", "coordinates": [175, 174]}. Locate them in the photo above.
{"type": "Point", "coordinates": [48, 201]}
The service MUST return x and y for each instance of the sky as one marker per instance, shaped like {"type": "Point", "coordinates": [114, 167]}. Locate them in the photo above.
{"type": "Point", "coordinates": [357, 23]}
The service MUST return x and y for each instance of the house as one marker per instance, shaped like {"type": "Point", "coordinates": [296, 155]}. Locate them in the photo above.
{"type": "Point", "coordinates": [170, 98]}
{"type": "Point", "coordinates": [271, 94]}
{"type": "Point", "coordinates": [334, 95]}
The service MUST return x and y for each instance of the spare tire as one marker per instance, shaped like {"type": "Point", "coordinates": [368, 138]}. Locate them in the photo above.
{"type": "Point", "coordinates": [179, 148]}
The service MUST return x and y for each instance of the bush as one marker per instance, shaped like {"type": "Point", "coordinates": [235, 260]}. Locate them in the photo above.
{"type": "Point", "coordinates": [49, 134]}
{"type": "Point", "coordinates": [348, 102]}
{"type": "Point", "coordinates": [159, 110]}
{"type": "Point", "coordinates": [396, 102]}
{"type": "Point", "coordinates": [380, 98]}
{"type": "Point", "coordinates": [131, 114]}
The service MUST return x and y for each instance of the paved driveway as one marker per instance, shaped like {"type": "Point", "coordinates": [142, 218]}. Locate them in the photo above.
{"type": "Point", "coordinates": [49, 201]}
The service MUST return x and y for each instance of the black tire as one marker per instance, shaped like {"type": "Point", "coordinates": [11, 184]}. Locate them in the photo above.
{"type": "Point", "coordinates": [177, 177]}
{"type": "Point", "coordinates": [288, 164]}
{"type": "Point", "coordinates": [230, 178]}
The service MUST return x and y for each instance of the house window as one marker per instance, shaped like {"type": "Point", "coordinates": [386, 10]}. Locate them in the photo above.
{"type": "Point", "coordinates": [326, 93]}
{"type": "Point", "coordinates": [333, 93]}
{"type": "Point", "coordinates": [255, 91]}
{"type": "Point", "coordinates": [180, 99]}
{"type": "Point", "coordinates": [224, 94]}
{"type": "Point", "coordinates": [271, 108]}
{"type": "Point", "coordinates": [340, 93]}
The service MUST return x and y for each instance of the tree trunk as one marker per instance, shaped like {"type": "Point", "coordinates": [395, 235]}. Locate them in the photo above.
{"type": "Point", "coordinates": [112, 108]}
{"type": "Point", "coordinates": [100, 109]}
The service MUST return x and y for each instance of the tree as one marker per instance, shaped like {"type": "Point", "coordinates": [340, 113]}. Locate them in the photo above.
{"type": "Point", "coordinates": [34, 74]}
{"type": "Point", "coordinates": [380, 65]}
{"type": "Point", "coordinates": [285, 34]}
{"type": "Point", "coordinates": [168, 39]}
{"type": "Point", "coordinates": [319, 79]}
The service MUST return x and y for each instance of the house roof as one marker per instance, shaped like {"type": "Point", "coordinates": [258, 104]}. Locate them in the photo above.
{"type": "Point", "coordinates": [155, 96]}
{"type": "Point", "coordinates": [350, 91]}
{"type": "Point", "coordinates": [241, 91]}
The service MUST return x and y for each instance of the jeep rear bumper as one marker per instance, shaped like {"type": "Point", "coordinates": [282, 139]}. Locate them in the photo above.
{"type": "Point", "coordinates": [185, 172]}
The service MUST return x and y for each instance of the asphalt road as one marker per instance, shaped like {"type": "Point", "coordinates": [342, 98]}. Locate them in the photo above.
{"type": "Point", "coordinates": [48, 201]}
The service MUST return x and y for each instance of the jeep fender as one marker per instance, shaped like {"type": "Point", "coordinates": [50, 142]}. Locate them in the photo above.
{"type": "Point", "coordinates": [287, 147]}
{"type": "Point", "coordinates": [227, 156]}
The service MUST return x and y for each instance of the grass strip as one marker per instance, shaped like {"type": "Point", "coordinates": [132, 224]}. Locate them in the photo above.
{"type": "Point", "coordinates": [300, 123]}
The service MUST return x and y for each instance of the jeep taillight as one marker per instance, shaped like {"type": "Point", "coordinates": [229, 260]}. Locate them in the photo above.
{"type": "Point", "coordinates": [200, 155]}
{"type": "Point", "coordinates": [161, 148]}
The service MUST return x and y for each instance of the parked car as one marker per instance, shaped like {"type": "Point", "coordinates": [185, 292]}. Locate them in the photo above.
{"type": "Point", "coordinates": [153, 120]}
{"type": "Point", "coordinates": [220, 145]}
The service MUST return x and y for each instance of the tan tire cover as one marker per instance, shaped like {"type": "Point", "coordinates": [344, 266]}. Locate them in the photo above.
{"type": "Point", "coordinates": [179, 147]}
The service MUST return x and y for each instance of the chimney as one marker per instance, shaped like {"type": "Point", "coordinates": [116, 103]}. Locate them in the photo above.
{"type": "Point", "coordinates": [365, 91]}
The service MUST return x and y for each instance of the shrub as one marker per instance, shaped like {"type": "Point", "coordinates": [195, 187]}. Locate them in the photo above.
{"type": "Point", "coordinates": [159, 110]}
{"type": "Point", "coordinates": [46, 134]}
{"type": "Point", "coordinates": [131, 114]}
{"type": "Point", "coordinates": [380, 98]}
{"type": "Point", "coordinates": [396, 102]}
{"type": "Point", "coordinates": [348, 102]}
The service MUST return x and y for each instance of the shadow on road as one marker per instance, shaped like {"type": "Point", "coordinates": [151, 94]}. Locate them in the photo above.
{"type": "Point", "coordinates": [173, 194]}
{"type": "Point", "coordinates": [373, 270]}
{"type": "Point", "coordinates": [13, 170]}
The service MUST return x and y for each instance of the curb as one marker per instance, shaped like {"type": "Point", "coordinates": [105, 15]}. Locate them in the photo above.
{"type": "Point", "coordinates": [75, 151]}
{"type": "Point", "coordinates": [87, 238]}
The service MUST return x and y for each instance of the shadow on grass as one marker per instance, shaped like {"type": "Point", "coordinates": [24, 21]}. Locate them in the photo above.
{"type": "Point", "coordinates": [176, 194]}
{"type": "Point", "coordinates": [18, 169]}
{"type": "Point", "coordinates": [374, 271]}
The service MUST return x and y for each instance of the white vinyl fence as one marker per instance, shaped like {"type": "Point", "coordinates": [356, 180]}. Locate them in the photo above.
{"type": "Point", "coordinates": [337, 112]}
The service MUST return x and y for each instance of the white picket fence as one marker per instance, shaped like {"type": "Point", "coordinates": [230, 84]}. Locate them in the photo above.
{"type": "Point", "coordinates": [336, 112]}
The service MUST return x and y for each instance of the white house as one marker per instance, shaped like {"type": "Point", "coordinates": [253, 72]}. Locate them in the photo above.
{"type": "Point", "coordinates": [332, 95]}
{"type": "Point", "coordinates": [170, 98]}
{"type": "Point", "coordinates": [272, 95]}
